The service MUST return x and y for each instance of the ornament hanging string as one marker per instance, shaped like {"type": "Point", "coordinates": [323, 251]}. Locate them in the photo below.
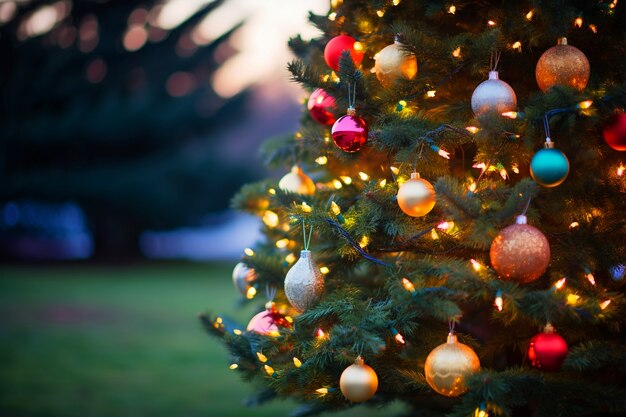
{"type": "Point", "coordinates": [351, 94]}
{"type": "Point", "coordinates": [494, 60]}
{"type": "Point", "coordinates": [306, 242]}
{"type": "Point", "coordinates": [526, 206]}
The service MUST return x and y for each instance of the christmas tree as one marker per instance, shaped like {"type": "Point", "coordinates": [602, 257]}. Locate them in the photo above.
{"type": "Point", "coordinates": [104, 106]}
{"type": "Point", "coordinates": [454, 240]}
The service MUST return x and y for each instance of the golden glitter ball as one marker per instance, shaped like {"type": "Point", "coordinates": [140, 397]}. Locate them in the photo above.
{"type": "Point", "coordinates": [297, 182]}
{"type": "Point", "coordinates": [416, 197]}
{"type": "Point", "coordinates": [394, 63]}
{"type": "Point", "coordinates": [358, 382]}
{"type": "Point", "coordinates": [562, 64]}
{"type": "Point", "coordinates": [520, 252]}
{"type": "Point", "coordinates": [448, 365]}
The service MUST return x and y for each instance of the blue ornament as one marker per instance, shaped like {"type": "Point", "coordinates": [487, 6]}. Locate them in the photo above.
{"type": "Point", "coordinates": [549, 167]}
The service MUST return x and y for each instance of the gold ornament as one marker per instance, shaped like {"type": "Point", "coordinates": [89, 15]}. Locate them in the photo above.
{"type": "Point", "coordinates": [393, 63]}
{"type": "Point", "coordinates": [416, 197]}
{"type": "Point", "coordinates": [448, 365]}
{"type": "Point", "coordinates": [297, 182]}
{"type": "Point", "coordinates": [520, 252]}
{"type": "Point", "coordinates": [243, 277]}
{"type": "Point", "coordinates": [562, 64]}
{"type": "Point", "coordinates": [304, 283]}
{"type": "Point", "coordinates": [493, 96]}
{"type": "Point", "coordinates": [358, 382]}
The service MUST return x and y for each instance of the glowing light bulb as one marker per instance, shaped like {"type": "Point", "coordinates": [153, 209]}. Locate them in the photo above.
{"type": "Point", "coordinates": [491, 23]}
{"type": "Point", "coordinates": [472, 129]}
{"type": "Point", "coordinates": [472, 187]}
{"type": "Point", "coordinates": [396, 2]}
{"type": "Point", "coordinates": [402, 103]}
{"type": "Point", "coordinates": [270, 219]}
{"type": "Point", "coordinates": [324, 270]}
{"type": "Point", "coordinates": [282, 243]}
{"type": "Point", "coordinates": [250, 293]}
{"type": "Point", "coordinates": [591, 278]}
{"type": "Point", "coordinates": [297, 362]}
{"type": "Point", "coordinates": [499, 302]}
{"type": "Point", "coordinates": [335, 208]}
{"type": "Point", "coordinates": [305, 207]}
{"type": "Point", "coordinates": [237, 332]}
{"type": "Point", "coordinates": [530, 15]}
{"type": "Point", "coordinates": [574, 225]}
{"type": "Point", "coordinates": [593, 28]}
{"type": "Point", "coordinates": [271, 191]}
{"type": "Point", "coordinates": [476, 265]}
{"type": "Point", "coordinates": [585, 104]}
{"type": "Point", "coordinates": [452, 9]}
{"type": "Point", "coordinates": [431, 93]}
{"type": "Point", "coordinates": [394, 170]}
{"type": "Point", "coordinates": [560, 283]}
{"type": "Point", "coordinates": [510, 114]}
{"type": "Point", "coordinates": [291, 258]}
{"type": "Point", "coordinates": [382, 183]}
{"type": "Point", "coordinates": [620, 170]}
{"type": "Point", "coordinates": [400, 339]}
{"type": "Point", "coordinates": [605, 304]}
{"type": "Point", "coordinates": [573, 299]}
{"type": "Point", "coordinates": [380, 13]}
{"type": "Point", "coordinates": [433, 234]}
{"type": "Point", "coordinates": [517, 46]}
{"type": "Point", "coordinates": [322, 391]}
{"type": "Point", "coordinates": [233, 366]}
{"type": "Point", "coordinates": [364, 241]}
{"type": "Point", "coordinates": [262, 357]}
{"type": "Point", "coordinates": [269, 370]}
{"type": "Point", "coordinates": [346, 180]}
{"type": "Point", "coordinates": [578, 22]}
{"type": "Point", "coordinates": [248, 252]}
{"type": "Point", "coordinates": [444, 154]}
{"type": "Point", "coordinates": [332, 16]}
{"type": "Point", "coordinates": [337, 184]}
{"type": "Point", "coordinates": [408, 285]}
{"type": "Point", "coordinates": [364, 176]}
{"type": "Point", "coordinates": [320, 334]}
{"type": "Point", "coordinates": [457, 52]}
{"type": "Point", "coordinates": [321, 160]}
{"type": "Point", "coordinates": [358, 46]}
{"type": "Point", "coordinates": [515, 168]}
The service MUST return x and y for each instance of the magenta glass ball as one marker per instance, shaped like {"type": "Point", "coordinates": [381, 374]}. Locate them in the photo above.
{"type": "Point", "coordinates": [349, 133]}
{"type": "Point", "coordinates": [320, 107]}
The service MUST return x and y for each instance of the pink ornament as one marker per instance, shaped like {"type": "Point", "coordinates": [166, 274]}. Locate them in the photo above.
{"type": "Point", "coordinates": [320, 105]}
{"type": "Point", "coordinates": [350, 132]}
{"type": "Point", "coordinates": [268, 322]}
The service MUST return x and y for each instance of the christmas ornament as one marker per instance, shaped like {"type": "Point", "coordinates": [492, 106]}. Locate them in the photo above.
{"type": "Point", "coordinates": [335, 47]}
{"type": "Point", "coordinates": [243, 277]}
{"type": "Point", "coordinates": [564, 65]}
{"type": "Point", "coordinates": [320, 105]}
{"type": "Point", "coordinates": [549, 166]}
{"type": "Point", "coordinates": [304, 283]}
{"type": "Point", "coordinates": [297, 182]}
{"type": "Point", "coordinates": [448, 365]}
{"type": "Point", "coordinates": [614, 132]}
{"type": "Point", "coordinates": [416, 197]}
{"type": "Point", "coordinates": [493, 96]}
{"type": "Point", "coordinates": [547, 350]}
{"type": "Point", "coordinates": [350, 132]}
{"type": "Point", "coordinates": [394, 63]}
{"type": "Point", "coordinates": [520, 252]}
{"type": "Point", "coordinates": [269, 321]}
{"type": "Point", "coordinates": [358, 382]}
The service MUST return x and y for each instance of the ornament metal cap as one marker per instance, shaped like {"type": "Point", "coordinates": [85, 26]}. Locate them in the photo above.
{"type": "Point", "coordinates": [451, 338]}
{"type": "Point", "coordinates": [304, 254]}
{"type": "Point", "coordinates": [549, 328]}
{"type": "Point", "coordinates": [359, 361]}
{"type": "Point", "coordinates": [562, 41]}
{"type": "Point", "coordinates": [493, 75]}
{"type": "Point", "coordinates": [548, 144]}
{"type": "Point", "coordinates": [415, 175]}
{"type": "Point", "coordinates": [351, 111]}
{"type": "Point", "coordinates": [521, 219]}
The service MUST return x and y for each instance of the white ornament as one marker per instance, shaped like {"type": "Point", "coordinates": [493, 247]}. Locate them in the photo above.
{"type": "Point", "coordinates": [493, 96]}
{"type": "Point", "coordinates": [304, 283]}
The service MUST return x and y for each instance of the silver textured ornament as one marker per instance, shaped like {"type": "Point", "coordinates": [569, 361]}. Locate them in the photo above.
{"type": "Point", "coordinates": [304, 283]}
{"type": "Point", "coordinates": [493, 96]}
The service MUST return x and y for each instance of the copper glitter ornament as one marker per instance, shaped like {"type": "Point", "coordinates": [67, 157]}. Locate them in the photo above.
{"type": "Point", "coordinates": [304, 283]}
{"type": "Point", "coordinates": [416, 197]}
{"type": "Point", "coordinates": [493, 96]}
{"type": "Point", "coordinates": [520, 252]}
{"type": "Point", "coordinates": [564, 65]}
{"type": "Point", "coordinates": [448, 365]}
{"type": "Point", "coordinates": [297, 182]}
{"type": "Point", "coordinates": [394, 63]}
{"type": "Point", "coordinates": [358, 382]}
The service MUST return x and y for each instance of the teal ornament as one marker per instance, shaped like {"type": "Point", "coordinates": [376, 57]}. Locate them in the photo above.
{"type": "Point", "coordinates": [549, 167]}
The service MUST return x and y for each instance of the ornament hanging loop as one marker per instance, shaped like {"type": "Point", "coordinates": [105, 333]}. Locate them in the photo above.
{"type": "Point", "coordinates": [306, 239]}
{"type": "Point", "coordinates": [494, 60]}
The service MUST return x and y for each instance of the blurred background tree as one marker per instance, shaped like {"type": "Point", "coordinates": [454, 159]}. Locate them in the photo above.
{"type": "Point", "coordinates": [104, 106]}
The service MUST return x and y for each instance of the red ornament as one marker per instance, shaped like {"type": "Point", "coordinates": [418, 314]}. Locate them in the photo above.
{"type": "Point", "coordinates": [268, 322]}
{"type": "Point", "coordinates": [320, 104]}
{"type": "Point", "coordinates": [350, 132]}
{"type": "Point", "coordinates": [614, 131]}
{"type": "Point", "coordinates": [547, 350]}
{"type": "Point", "coordinates": [338, 44]}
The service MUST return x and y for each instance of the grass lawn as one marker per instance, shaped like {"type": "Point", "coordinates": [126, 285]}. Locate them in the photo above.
{"type": "Point", "coordinates": [96, 341]}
